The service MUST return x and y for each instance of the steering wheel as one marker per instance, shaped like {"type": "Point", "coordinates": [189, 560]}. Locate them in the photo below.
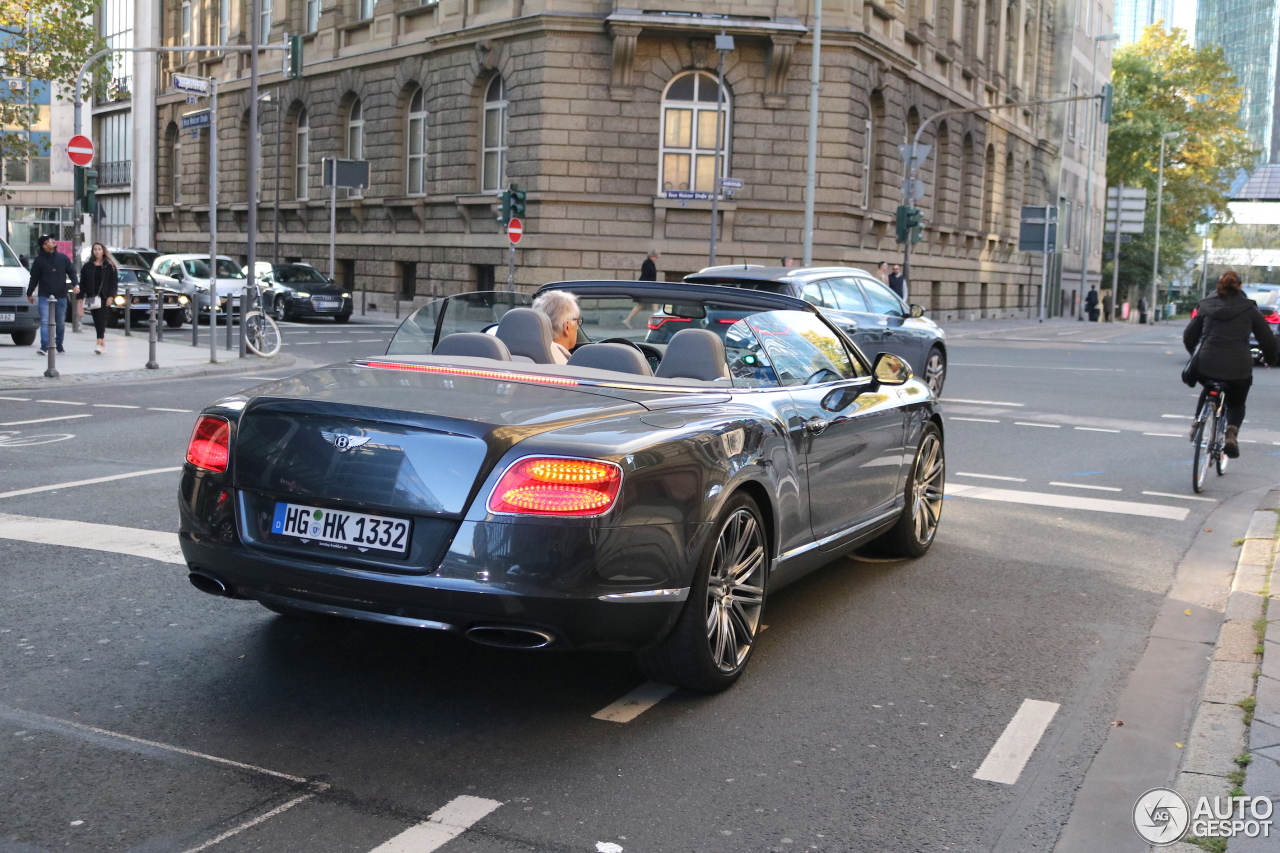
{"type": "Point", "coordinates": [651, 355]}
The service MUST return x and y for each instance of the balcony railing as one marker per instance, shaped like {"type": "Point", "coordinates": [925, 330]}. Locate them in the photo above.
{"type": "Point", "coordinates": [114, 174]}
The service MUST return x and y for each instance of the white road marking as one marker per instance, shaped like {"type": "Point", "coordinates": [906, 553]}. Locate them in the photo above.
{"type": "Point", "coordinates": [309, 344]}
{"type": "Point", "coordinates": [249, 824]}
{"type": "Point", "coordinates": [634, 703]}
{"type": "Point", "coordinates": [114, 406]}
{"type": "Point", "coordinates": [990, 477]}
{"type": "Point", "coordinates": [985, 493]}
{"type": "Point", "coordinates": [158, 409]}
{"type": "Point", "coordinates": [45, 420]}
{"type": "Point", "coordinates": [62, 402]}
{"type": "Point", "coordinates": [454, 818]}
{"type": "Point", "coordinates": [371, 341]}
{"type": "Point", "coordinates": [1179, 417]}
{"type": "Point", "coordinates": [1165, 434]}
{"type": "Point", "coordinates": [1095, 429]}
{"type": "Point", "coordinates": [151, 544]}
{"type": "Point", "coordinates": [1086, 486]}
{"type": "Point", "coordinates": [973, 420]}
{"type": "Point", "coordinates": [1029, 423]}
{"type": "Point", "coordinates": [1013, 749]}
{"type": "Point", "coordinates": [1180, 497]}
{"type": "Point", "coordinates": [17, 399]}
{"type": "Point", "coordinates": [982, 402]}
{"type": "Point", "coordinates": [89, 482]}
{"type": "Point", "coordinates": [1038, 367]}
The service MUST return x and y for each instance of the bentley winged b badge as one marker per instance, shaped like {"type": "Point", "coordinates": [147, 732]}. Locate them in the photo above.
{"type": "Point", "coordinates": [343, 442]}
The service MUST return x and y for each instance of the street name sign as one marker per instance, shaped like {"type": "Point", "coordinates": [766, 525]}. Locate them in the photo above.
{"type": "Point", "coordinates": [515, 230]}
{"type": "Point", "coordinates": [731, 183]}
{"type": "Point", "coordinates": [197, 119]}
{"type": "Point", "coordinates": [189, 84]}
{"type": "Point", "coordinates": [80, 150]}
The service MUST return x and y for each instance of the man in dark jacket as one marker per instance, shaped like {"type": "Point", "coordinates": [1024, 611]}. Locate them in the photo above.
{"type": "Point", "coordinates": [898, 282]}
{"type": "Point", "coordinates": [1091, 304]}
{"type": "Point", "coordinates": [1222, 327]}
{"type": "Point", "coordinates": [50, 272]}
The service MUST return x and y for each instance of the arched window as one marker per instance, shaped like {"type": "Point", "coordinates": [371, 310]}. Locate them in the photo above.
{"type": "Point", "coordinates": [174, 144]}
{"type": "Point", "coordinates": [942, 175]}
{"type": "Point", "coordinates": [1012, 194]}
{"type": "Point", "coordinates": [301, 157]}
{"type": "Point", "coordinates": [416, 146]}
{"type": "Point", "coordinates": [967, 206]}
{"type": "Point", "coordinates": [493, 142]}
{"type": "Point", "coordinates": [355, 139]}
{"type": "Point", "coordinates": [875, 141]}
{"type": "Point", "coordinates": [689, 117]}
{"type": "Point", "coordinates": [990, 217]}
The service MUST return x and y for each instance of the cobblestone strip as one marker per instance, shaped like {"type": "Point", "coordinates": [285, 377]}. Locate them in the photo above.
{"type": "Point", "coordinates": [1225, 752]}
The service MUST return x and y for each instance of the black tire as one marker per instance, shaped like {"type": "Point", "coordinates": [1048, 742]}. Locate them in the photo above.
{"type": "Point", "coordinates": [342, 318]}
{"type": "Point", "coordinates": [1200, 459]}
{"type": "Point", "coordinates": [916, 528]}
{"type": "Point", "coordinates": [687, 657]}
{"type": "Point", "coordinates": [935, 370]}
{"type": "Point", "coordinates": [278, 312]}
{"type": "Point", "coordinates": [174, 319]}
{"type": "Point", "coordinates": [23, 339]}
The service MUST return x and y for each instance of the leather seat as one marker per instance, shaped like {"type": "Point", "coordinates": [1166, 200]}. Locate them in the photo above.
{"type": "Point", "coordinates": [473, 344]}
{"type": "Point", "coordinates": [619, 358]}
{"type": "Point", "coordinates": [528, 333]}
{"type": "Point", "coordinates": [694, 354]}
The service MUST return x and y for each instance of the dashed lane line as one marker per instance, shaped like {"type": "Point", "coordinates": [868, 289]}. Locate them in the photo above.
{"type": "Point", "coordinates": [114, 406]}
{"type": "Point", "coordinates": [973, 420]}
{"type": "Point", "coordinates": [986, 493]}
{"type": "Point", "coordinates": [45, 420]}
{"type": "Point", "coordinates": [33, 490]}
{"type": "Point", "coordinates": [1010, 753]}
{"type": "Point", "coordinates": [1180, 497]}
{"type": "Point", "coordinates": [62, 402]}
{"type": "Point", "coordinates": [1086, 486]}
{"type": "Point", "coordinates": [982, 402]}
{"type": "Point", "coordinates": [1165, 434]}
{"type": "Point", "coordinates": [447, 823]}
{"type": "Point", "coordinates": [158, 409]}
{"type": "Point", "coordinates": [1032, 423]}
{"type": "Point", "coordinates": [990, 477]}
{"type": "Point", "coordinates": [17, 399]}
{"type": "Point", "coordinates": [150, 544]}
{"type": "Point", "coordinates": [1179, 417]}
{"type": "Point", "coordinates": [1096, 429]}
{"type": "Point", "coordinates": [634, 703]}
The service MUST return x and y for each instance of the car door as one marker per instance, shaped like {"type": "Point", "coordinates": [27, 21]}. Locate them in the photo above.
{"type": "Point", "coordinates": [848, 433]}
{"type": "Point", "coordinates": [900, 338]}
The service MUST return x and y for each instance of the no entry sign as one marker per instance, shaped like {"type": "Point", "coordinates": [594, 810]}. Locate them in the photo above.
{"type": "Point", "coordinates": [80, 150]}
{"type": "Point", "coordinates": [515, 230]}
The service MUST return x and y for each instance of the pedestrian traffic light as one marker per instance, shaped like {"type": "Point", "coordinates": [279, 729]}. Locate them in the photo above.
{"type": "Point", "coordinates": [909, 221]}
{"type": "Point", "coordinates": [295, 57]}
{"type": "Point", "coordinates": [1108, 99]}
{"type": "Point", "coordinates": [504, 214]}
{"type": "Point", "coordinates": [89, 197]}
{"type": "Point", "coordinates": [517, 201]}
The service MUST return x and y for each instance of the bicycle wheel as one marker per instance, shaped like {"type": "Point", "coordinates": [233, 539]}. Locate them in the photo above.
{"type": "Point", "coordinates": [1201, 439]}
{"type": "Point", "coordinates": [1220, 445]}
{"type": "Point", "coordinates": [261, 334]}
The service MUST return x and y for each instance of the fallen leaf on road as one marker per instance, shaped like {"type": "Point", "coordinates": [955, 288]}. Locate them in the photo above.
{"type": "Point", "coordinates": [1178, 745]}
{"type": "Point", "coordinates": [1117, 722]}
{"type": "Point", "coordinates": [1208, 530]}
{"type": "Point", "coordinates": [1187, 611]}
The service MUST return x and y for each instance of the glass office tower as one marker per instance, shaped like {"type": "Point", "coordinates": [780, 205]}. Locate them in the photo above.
{"type": "Point", "coordinates": [1134, 16]}
{"type": "Point", "coordinates": [1247, 31]}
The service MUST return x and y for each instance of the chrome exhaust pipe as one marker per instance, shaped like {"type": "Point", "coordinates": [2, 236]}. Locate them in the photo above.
{"type": "Point", "coordinates": [209, 583]}
{"type": "Point", "coordinates": [510, 637]}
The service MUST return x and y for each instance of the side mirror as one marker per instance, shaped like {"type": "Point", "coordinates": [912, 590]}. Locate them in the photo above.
{"type": "Point", "coordinates": [917, 310]}
{"type": "Point", "coordinates": [889, 369]}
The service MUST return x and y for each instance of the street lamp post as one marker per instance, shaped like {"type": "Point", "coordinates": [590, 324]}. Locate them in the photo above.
{"type": "Point", "coordinates": [1155, 263]}
{"type": "Point", "coordinates": [1088, 172]}
{"type": "Point", "coordinates": [811, 168]}
{"type": "Point", "coordinates": [724, 44]}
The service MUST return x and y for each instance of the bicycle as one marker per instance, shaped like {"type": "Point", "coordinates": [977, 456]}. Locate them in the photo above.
{"type": "Point", "coordinates": [1209, 434]}
{"type": "Point", "coordinates": [261, 334]}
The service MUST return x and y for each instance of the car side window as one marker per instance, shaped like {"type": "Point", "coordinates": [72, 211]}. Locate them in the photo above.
{"type": "Point", "coordinates": [883, 300]}
{"type": "Point", "coordinates": [847, 294]}
{"type": "Point", "coordinates": [803, 349]}
{"type": "Point", "coordinates": [816, 293]}
{"type": "Point", "coordinates": [749, 366]}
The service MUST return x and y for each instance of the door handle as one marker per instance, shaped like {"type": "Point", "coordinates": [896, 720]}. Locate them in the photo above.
{"type": "Point", "coordinates": [816, 425]}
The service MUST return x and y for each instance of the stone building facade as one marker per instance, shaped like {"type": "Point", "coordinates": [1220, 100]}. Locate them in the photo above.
{"type": "Point", "coordinates": [606, 116]}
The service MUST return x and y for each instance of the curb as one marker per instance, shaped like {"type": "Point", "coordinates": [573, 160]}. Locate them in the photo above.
{"type": "Point", "coordinates": [235, 364]}
{"type": "Point", "coordinates": [1220, 731]}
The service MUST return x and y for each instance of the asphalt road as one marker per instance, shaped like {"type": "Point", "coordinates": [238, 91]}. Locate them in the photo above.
{"type": "Point", "coordinates": [137, 714]}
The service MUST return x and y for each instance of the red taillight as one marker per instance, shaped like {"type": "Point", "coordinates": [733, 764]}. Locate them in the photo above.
{"type": "Point", "coordinates": [210, 445]}
{"type": "Point", "coordinates": [1273, 319]}
{"type": "Point", "coordinates": [550, 485]}
{"type": "Point", "coordinates": [662, 321]}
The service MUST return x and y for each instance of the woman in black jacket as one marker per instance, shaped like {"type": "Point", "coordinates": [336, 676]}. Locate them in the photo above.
{"type": "Point", "coordinates": [99, 280]}
{"type": "Point", "coordinates": [1224, 321]}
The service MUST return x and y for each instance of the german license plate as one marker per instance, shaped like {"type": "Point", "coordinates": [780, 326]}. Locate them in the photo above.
{"type": "Point", "coordinates": [8, 318]}
{"type": "Point", "coordinates": [343, 530]}
{"type": "Point", "coordinates": [327, 303]}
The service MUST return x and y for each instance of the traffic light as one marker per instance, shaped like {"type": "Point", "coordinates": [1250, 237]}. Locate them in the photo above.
{"type": "Point", "coordinates": [1108, 99]}
{"type": "Point", "coordinates": [517, 201]}
{"type": "Point", "coordinates": [295, 57]}
{"type": "Point", "coordinates": [909, 222]}
{"type": "Point", "coordinates": [504, 215]}
{"type": "Point", "coordinates": [89, 196]}
{"type": "Point", "coordinates": [79, 182]}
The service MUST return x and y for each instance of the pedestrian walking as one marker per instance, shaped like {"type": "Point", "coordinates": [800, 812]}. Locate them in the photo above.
{"type": "Point", "coordinates": [49, 274]}
{"type": "Point", "coordinates": [898, 282]}
{"type": "Point", "coordinates": [1142, 310]}
{"type": "Point", "coordinates": [99, 281]}
{"type": "Point", "coordinates": [648, 272]}
{"type": "Point", "coordinates": [788, 261]}
{"type": "Point", "coordinates": [1091, 304]}
{"type": "Point", "coordinates": [1108, 304]}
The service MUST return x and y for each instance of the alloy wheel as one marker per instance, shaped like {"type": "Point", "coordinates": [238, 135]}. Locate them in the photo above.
{"type": "Point", "coordinates": [927, 489]}
{"type": "Point", "coordinates": [735, 591]}
{"type": "Point", "coordinates": [935, 372]}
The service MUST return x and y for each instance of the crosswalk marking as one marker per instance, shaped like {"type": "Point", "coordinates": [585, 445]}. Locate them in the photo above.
{"type": "Point", "coordinates": [985, 493]}
{"type": "Point", "coordinates": [634, 703]}
{"type": "Point", "coordinates": [34, 489]}
{"type": "Point", "coordinates": [1012, 750]}
{"type": "Point", "coordinates": [151, 544]}
{"type": "Point", "coordinates": [447, 823]}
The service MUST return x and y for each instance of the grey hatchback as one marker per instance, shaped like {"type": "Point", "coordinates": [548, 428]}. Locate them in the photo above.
{"type": "Point", "coordinates": [867, 311]}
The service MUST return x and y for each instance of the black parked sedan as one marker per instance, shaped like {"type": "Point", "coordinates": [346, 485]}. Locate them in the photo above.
{"type": "Point", "coordinates": [466, 483]}
{"type": "Point", "coordinates": [301, 290]}
{"type": "Point", "coordinates": [871, 314]}
{"type": "Point", "coordinates": [134, 296]}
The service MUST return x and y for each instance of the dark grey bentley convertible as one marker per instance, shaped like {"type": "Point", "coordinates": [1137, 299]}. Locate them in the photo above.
{"type": "Point", "coordinates": [644, 497]}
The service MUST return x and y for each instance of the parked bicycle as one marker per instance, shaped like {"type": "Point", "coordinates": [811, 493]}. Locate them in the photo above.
{"type": "Point", "coordinates": [261, 334]}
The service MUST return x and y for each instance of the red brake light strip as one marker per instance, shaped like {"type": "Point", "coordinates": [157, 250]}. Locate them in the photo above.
{"type": "Point", "coordinates": [469, 371]}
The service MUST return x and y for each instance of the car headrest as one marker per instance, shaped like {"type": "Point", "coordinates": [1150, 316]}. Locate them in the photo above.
{"type": "Point", "coordinates": [527, 332]}
{"type": "Point", "coordinates": [694, 354]}
{"type": "Point", "coordinates": [474, 344]}
{"type": "Point", "coordinates": [616, 357]}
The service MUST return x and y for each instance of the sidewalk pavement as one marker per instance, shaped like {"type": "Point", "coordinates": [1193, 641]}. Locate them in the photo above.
{"type": "Point", "coordinates": [126, 358]}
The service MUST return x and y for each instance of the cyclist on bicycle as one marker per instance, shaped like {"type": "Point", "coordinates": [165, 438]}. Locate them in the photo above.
{"type": "Point", "coordinates": [1224, 322]}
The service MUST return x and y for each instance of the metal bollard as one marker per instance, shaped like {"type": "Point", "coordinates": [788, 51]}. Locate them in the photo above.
{"type": "Point", "coordinates": [152, 364]}
{"type": "Point", "coordinates": [364, 298]}
{"type": "Point", "coordinates": [244, 335]}
{"type": "Point", "coordinates": [52, 370]}
{"type": "Point", "coordinates": [195, 318]}
{"type": "Point", "coordinates": [159, 316]}
{"type": "Point", "coordinates": [227, 319]}
{"type": "Point", "coordinates": [128, 312]}
{"type": "Point", "coordinates": [213, 330]}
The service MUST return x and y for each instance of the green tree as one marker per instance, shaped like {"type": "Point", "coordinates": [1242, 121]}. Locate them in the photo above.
{"type": "Point", "coordinates": [39, 42]}
{"type": "Point", "coordinates": [1163, 84]}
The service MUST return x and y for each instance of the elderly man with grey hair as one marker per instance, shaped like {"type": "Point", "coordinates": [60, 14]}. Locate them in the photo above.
{"type": "Point", "coordinates": [562, 310]}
